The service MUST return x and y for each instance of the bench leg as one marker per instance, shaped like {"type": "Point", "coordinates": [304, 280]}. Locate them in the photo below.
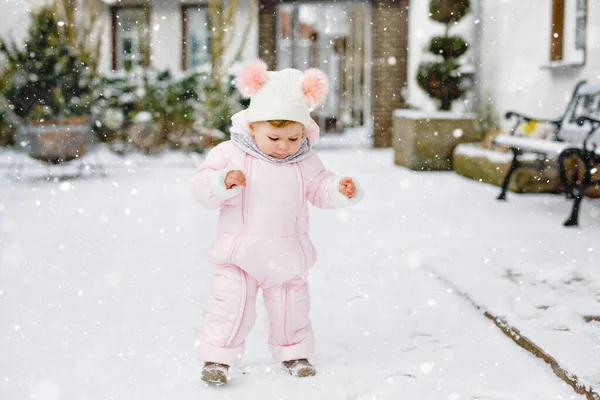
{"type": "Point", "coordinates": [513, 166]}
{"type": "Point", "coordinates": [573, 219]}
{"type": "Point", "coordinates": [568, 184]}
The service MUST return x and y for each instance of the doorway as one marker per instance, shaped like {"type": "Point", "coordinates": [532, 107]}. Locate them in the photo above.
{"type": "Point", "coordinates": [334, 37]}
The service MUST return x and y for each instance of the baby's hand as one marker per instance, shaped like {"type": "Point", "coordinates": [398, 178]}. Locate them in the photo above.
{"type": "Point", "coordinates": [235, 178]}
{"type": "Point", "coordinates": [347, 187]}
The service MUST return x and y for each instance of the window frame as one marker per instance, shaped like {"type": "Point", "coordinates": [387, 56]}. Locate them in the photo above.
{"type": "Point", "coordinates": [567, 18]}
{"type": "Point", "coordinates": [185, 7]}
{"type": "Point", "coordinates": [114, 10]}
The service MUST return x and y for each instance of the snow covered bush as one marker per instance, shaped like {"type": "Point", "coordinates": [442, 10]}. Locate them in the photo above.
{"type": "Point", "coordinates": [152, 110]}
{"type": "Point", "coordinates": [46, 78]}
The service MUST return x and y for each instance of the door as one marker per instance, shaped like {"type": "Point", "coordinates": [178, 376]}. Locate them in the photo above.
{"type": "Point", "coordinates": [333, 37]}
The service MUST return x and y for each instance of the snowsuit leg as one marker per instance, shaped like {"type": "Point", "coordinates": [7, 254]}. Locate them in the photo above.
{"type": "Point", "coordinates": [290, 331]}
{"type": "Point", "coordinates": [230, 314]}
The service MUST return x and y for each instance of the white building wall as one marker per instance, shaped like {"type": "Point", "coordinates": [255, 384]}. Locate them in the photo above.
{"type": "Point", "coordinates": [166, 31]}
{"type": "Point", "coordinates": [14, 18]}
{"type": "Point", "coordinates": [105, 62]}
{"type": "Point", "coordinates": [515, 54]}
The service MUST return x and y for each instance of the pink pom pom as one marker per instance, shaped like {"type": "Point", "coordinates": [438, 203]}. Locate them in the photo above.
{"type": "Point", "coordinates": [252, 77]}
{"type": "Point", "coordinates": [314, 86]}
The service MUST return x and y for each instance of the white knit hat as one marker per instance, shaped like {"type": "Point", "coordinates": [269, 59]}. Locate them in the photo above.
{"type": "Point", "coordinates": [289, 94]}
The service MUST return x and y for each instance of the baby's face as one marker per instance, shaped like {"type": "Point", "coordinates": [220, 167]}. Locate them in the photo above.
{"type": "Point", "coordinates": [277, 142]}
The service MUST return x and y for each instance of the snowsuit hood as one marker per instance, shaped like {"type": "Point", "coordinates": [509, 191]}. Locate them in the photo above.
{"type": "Point", "coordinates": [240, 136]}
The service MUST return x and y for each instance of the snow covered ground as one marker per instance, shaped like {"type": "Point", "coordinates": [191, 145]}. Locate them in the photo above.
{"type": "Point", "coordinates": [103, 282]}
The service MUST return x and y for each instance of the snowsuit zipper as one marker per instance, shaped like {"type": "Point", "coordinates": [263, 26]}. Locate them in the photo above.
{"type": "Point", "coordinates": [302, 199]}
{"type": "Point", "coordinates": [286, 285]}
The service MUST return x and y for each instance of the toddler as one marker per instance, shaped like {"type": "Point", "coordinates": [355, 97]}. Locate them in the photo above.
{"type": "Point", "coordinates": [261, 180]}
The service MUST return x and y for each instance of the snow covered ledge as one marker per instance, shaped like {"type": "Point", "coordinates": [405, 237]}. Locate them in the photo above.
{"type": "Point", "coordinates": [491, 166]}
{"type": "Point", "coordinates": [425, 140]}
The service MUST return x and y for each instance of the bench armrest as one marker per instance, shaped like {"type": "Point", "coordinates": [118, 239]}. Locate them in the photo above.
{"type": "Point", "coordinates": [525, 118]}
{"type": "Point", "coordinates": [595, 123]}
{"type": "Point", "coordinates": [592, 120]}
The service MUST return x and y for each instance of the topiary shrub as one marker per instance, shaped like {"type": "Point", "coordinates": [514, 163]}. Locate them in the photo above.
{"type": "Point", "coordinates": [441, 79]}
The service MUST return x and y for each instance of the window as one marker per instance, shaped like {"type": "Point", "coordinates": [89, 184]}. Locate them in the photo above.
{"type": "Point", "coordinates": [196, 45]}
{"type": "Point", "coordinates": [131, 37]}
{"type": "Point", "coordinates": [568, 33]}
{"type": "Point", "coordinates": [580, 25]}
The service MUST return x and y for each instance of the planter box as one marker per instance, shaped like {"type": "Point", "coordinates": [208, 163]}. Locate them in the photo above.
{"type": "Point", "coordinates": [426, 140]}
{"type": "Point", "coordinates": [58, 141]}
{"type": "Point", "coordinates": [7, 132]}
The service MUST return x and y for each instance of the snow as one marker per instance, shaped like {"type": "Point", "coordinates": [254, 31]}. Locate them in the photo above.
{"type": "Point", "coordinates": [532, 144]}
{"type": "Point", "coordinates": [358, 137]}
{"type": "Point", "coordinates": [143, 117]}
{"type": "Point", "coordinates": [420, 114]}
{"type": "Point", "coordinates": [103, 282]}
{"type": "Point", "coordinates": [474, 150]}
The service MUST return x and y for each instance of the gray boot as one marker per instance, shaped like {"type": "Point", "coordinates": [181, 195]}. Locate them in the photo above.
{"type": "Point", "coordinates": [215, 373]}
{"type": "Point", "coordinates": [300, 368]}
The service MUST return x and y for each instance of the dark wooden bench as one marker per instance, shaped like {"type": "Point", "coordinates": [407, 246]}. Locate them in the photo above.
{"type": "Point", "coordinates": [575, 136]}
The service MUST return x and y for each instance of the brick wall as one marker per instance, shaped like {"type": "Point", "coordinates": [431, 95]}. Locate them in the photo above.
{"type": "Point", "coordinates": [266, 32]}
{"type": "Point", "coordinates": [390, 57]}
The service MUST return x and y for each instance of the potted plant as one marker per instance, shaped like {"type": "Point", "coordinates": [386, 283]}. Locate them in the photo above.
{"type": "Point", "coordinates": [7, 130]}
{"type": "Point", "coordinates": [49, 85]}
{"type": "Point", "coordinates": [425, 140]}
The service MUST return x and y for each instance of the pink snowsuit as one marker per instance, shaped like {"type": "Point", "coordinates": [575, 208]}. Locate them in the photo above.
{"type": "Point", "coordinates": [262, 242]}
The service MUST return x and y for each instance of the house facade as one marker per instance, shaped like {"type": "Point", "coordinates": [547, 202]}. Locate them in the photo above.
{"type": "Point", "coordinates": [524, 55]}
{"type": "Point", "coordinates": [534, 52]}
{"type": "Point", "coordinates": [366, 76]}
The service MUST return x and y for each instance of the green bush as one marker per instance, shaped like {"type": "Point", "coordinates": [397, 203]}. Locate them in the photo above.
{"type": "Point", "coordinates": [441, 81]}
{"type": "Point", "coordinates": [449, 47]}
{"type": "Point", "coordinates": [448, 11]}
